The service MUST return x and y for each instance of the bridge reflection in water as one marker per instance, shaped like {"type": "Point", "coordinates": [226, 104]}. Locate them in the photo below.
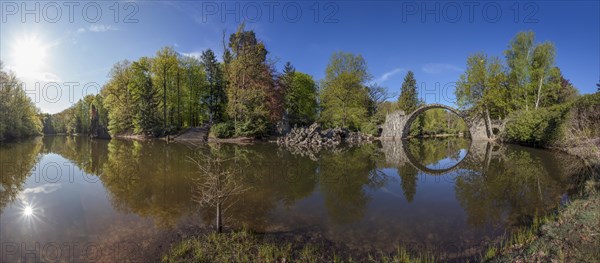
{"type": "Point", "coordinates": [412, 152]}
{"type": "Point", "coordinates": [366, 198]}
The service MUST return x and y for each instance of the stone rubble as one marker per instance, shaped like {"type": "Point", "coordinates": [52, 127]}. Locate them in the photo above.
{"type": "Point", "coordinates": [313, 136]}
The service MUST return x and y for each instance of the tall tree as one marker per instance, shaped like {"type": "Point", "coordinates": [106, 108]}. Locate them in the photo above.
{"type": "Point", "coordinates": [19, 116]}
{"type": "Point", "coordinates": [557, 89]}
{"type": "Point", "coordinates": [164, 68]}
{"type": "Point", "coordinates": [145, 120]}
{"type": "Point", "coordinates": [344, 96]}
{"type": "Point", "coordinates": [216, 97]}
{"type": "Point", "coordinates": [408, 101]}
{"type": "Point", "coordinates": [518, 58]}
{"type": "Point", "coordinates": [118, 98]}
{"type": "Point", "coordinates": [482, 87]}
{"type": "Point", "coordinates": [251, 94]}
{"type": "Point", "coordinates": [300, 98]}
{"type": "Point", "coordinates": [542, 62]}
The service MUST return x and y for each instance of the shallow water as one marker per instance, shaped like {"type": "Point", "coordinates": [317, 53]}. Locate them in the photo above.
{"type": "Point", "coordinates": [72, 198]}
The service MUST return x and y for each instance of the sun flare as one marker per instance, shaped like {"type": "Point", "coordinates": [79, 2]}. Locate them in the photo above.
{"type": "Point", "coordinates": [28, 211]}
{"type": "Point", "coordinates": [29, 54]}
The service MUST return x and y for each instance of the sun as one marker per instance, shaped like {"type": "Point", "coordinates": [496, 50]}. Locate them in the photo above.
{"type": "Point", "coordinates": [28, 54]}
{"type": "Point", "coordinates": [28, 211]}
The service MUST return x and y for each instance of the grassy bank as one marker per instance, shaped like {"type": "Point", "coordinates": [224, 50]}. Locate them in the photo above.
{"type": "Point", "coordinates": [244, 246]}
{"type": "Point", "coordinates": [573, 233]}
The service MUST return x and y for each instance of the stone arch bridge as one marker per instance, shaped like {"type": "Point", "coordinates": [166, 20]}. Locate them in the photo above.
{"type": "Point", "coordinates": [397, 124]}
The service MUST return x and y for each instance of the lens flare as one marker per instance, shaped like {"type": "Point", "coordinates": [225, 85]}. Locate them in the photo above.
{"type": "Point", "coordinates": [28, 211]}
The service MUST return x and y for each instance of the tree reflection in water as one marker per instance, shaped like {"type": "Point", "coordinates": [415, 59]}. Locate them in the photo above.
{"type": "Point", "coordinates": [16, 162]}
{"type": "Point", "coordinates": [347, 195]}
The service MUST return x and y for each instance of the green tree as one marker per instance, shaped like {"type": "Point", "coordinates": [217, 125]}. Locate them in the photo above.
{"type": "Point", "coordinates": [518, 58]}
{"type": "Point", "coordinates": [118, 99]}
{"type": "Point", "coordinates": [529, 68]}
{"type": "Point", "coordinates": [557, 90]}
{"type": "Point", "coordinates": [216, 97]}
{"type": "Point", "coordinates": [482, 87]}
{"type": "Point", "coordinates": [19, 117]}
{"type": "Point", "coordinates": [164, 68]}
{"type": "Point", "coordinates": [408, 101]}
{"type": "Point", "coordinates": [251, 95]}
{"type": "Point", "coordinates": [300, 98]}
{"type": "Point", "coordinates": [145, 119]}
{"type": "Point", "coordinates": [344, 96]}
{"type": "Point", "coordinates": [542, 62]}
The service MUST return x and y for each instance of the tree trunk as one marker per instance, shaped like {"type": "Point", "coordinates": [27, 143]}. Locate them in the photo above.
{"type": "Point", "coordinates": [537, 101]}
{"type": "Point", "coordinates": [219, 219]}
{"type": "Point", "coordinates": [488, 124]}
{"type": "Point", "coordinates": [165, 97]}
{"type": "Point", "coordinates": [178, 101]}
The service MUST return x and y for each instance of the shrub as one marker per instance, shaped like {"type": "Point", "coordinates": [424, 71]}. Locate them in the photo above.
{"type": "Point", "coordinates": [370, 127]}
{"type": "Point", "coordinates": [222, 130]}
{"type": "Point", "coordinates": [537, 127]}
{"type": "Point", "coordinates": [584, 117]}
{"type": "Point", "coordinates": [251, 127]}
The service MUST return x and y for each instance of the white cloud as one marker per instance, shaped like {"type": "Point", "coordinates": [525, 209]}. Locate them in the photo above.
{"type": "Point", "coordinates": [388, 74]}
{"type": "Point", "coordinates": [440, 68]}
{"type": "Point", "coordinates": [31, 77]}
{"type": "Point", "coordinates": [193, 54]}
{"type": "Point", "coordinates": [48, 77]}
{"type": "Point", "coordinates": [102, 28]}
{"type": "Point", "coordinates": [46, 189]}
{"type": "Point", "coordinates": [97, 28]}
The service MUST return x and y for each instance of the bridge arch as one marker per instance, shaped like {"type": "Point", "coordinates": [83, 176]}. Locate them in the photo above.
{"type": "Point", "coordinates": [397, 124]}
{"type": "Point", "coordinates": [413, 116]}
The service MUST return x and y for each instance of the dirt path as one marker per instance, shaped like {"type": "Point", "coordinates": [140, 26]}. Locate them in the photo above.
{"type": "Point", "coordinates": [197, 134]}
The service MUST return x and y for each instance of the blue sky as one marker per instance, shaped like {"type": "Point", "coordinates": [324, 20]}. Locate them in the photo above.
{"type": "Point", "coordinates": [76, 51]}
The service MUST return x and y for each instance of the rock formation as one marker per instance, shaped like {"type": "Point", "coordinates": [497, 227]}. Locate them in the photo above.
{"type": "Point", "coordinates": [314, 136]}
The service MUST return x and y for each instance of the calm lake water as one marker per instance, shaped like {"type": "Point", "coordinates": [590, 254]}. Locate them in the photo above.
{"type": "Point", "coordinates": [72, 198]}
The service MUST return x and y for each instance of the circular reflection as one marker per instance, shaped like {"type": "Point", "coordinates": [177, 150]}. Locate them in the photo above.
{"type": "Point", "coordinates": [436, 156]}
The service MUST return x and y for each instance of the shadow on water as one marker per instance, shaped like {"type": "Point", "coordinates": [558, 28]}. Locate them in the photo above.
{"type": "Point", "coordinates": [446, 196]}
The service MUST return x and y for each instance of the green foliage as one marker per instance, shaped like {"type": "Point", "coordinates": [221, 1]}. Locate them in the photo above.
{"type": "Point", "coordinates": [156, 95]}
{"type": "Point", "coordinates": [536, 127]}
{"type": "Point", "coordinates": [556, 125]}
{"type": "Point", "coordinates": [222, 130]}
{"type": "Point", "coordinates": [145, 119]}
{"type": "Point", "coordinates": [344, 97]}
{"type": "Point", "coordinates": [215, 97]}
{"type": "Point", "coordinates": [253, 101]}
{"type": "Point", "coordinates": [370, 127]}
{"type": "Point", "coordinates": [118, 98]}
{"type": "Point", "coordinates": [438, 121]}
{"type": "Point", "coordinates": [481, 88]}
{"type": "Point", "coordinates": [19, 117]}
{"type": "Point", "coordinates": [165, 69]}
{"type": "Point", "coordinates": [585, 115]}
{"type": "Point", "coordinates": [408, 101]}
{"type": "Point", "coordinates": [529, 73]}
{"type": "Point", "coordinates": [300, 98]}
{"type": "Point", "coordinates": [77, 119]}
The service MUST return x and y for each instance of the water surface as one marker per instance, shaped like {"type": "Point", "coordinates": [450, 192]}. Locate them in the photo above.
{"type": "Point", "coordinates": [72, 198]}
